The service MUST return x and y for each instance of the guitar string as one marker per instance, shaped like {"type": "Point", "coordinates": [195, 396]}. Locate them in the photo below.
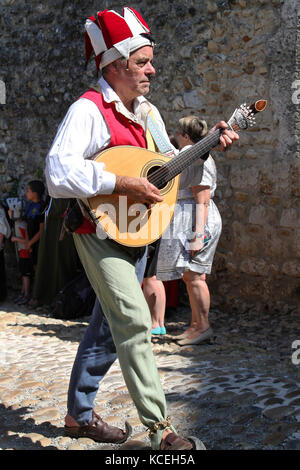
{"type": "Point", "coordinates": [172, 168]}
{"type": "Point", "coordinates": [175, 166]}
{"type": "Point", "coordinates": [178, 164]}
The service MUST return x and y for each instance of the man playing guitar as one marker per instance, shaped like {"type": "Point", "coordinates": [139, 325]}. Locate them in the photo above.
{"type": "Point", "coordinates": [123, 50]}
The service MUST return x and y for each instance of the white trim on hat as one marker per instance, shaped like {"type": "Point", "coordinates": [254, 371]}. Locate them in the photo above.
{"type": "Point", "coordinates": [139, 41]}
{"type": "Point", "coordinates": [109, 56]}
{"type": "Point", "coordinates": [123, 49]}
{"type": "Point", "coordinates": [134, 23]}
{"type": "Point", "coordinates": [96, 37]}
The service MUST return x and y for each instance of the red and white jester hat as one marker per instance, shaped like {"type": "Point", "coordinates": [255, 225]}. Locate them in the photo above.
{"type": "Point", "coordinates": [111, 36]}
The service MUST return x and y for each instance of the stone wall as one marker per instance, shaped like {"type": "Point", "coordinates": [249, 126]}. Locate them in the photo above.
{"type": "Point", "coordinates": [211, 56]}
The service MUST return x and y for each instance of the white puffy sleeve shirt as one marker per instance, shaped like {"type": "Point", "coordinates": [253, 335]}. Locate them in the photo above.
{"type": "Point", "coordinates": [82, 133]}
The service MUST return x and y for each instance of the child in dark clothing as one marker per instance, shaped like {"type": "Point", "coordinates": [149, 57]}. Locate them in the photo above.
{"type": "Point", "coordinates": [30, 242]}
{"type": "Point", "coordinates": [34, 217]}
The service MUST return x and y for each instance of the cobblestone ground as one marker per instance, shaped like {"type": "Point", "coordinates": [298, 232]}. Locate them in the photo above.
{"type": "Point", "coordinates": [241, 392]}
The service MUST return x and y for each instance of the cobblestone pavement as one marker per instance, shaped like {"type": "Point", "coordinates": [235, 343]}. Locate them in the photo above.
{"type": "Point", "coordinates": [241, 392]}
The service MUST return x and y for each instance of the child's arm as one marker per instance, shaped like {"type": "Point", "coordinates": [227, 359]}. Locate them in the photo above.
{"type": "Point", "coordinates": [18, 240]}
{"type": "Point", "coordinates": [35, 238]}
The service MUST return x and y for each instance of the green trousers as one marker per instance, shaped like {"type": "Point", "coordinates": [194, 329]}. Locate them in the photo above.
{"type": "Point", "coordinates": [111, 271]}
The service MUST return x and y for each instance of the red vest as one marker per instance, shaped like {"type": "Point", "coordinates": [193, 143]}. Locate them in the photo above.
{"type": "Point", "coordinates": [122, 130]}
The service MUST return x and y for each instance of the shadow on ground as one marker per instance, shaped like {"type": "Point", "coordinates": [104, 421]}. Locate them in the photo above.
{"type": "Point", "coordinates": [12, 421]}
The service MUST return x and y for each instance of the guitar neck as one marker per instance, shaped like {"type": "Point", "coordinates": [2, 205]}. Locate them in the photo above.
{"type": "Point", "coordinates": [177, 164]}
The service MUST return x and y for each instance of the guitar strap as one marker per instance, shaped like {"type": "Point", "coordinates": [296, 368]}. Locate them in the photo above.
{"type": "Point", "coordinates": [150, 142]}
{"type": "Point", "coordinates": [155, 135]}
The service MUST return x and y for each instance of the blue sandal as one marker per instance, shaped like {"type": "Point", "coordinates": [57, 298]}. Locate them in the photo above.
{"type": "Point", "coordinates": [159, 330]}
{"type": "Point", "coordinates": [156, 331]}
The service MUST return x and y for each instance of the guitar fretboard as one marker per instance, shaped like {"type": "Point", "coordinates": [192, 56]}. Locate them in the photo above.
{"type": "Point", "coordinates": [177, 164]}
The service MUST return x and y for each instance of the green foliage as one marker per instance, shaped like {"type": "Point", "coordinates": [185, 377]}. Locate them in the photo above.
{"type": "Point", "coordinates": [39, 173]}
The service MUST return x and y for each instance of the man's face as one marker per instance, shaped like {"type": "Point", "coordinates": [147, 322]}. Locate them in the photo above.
{"type": "Point", "coordinates": [135, 76]}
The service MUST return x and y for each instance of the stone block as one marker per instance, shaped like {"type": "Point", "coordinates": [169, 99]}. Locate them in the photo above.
{"type": "Point", "coordinates": [243, 178]}
{"type": "Point", "coordinates": [185, 52]}
{"type": "Point", "coordinates": [290, 218]}
{"type": "Point", "coordinates": [251, 154]}
{"type": "Point", "coordinates": [213, 47]}
{"type": "Point", "coordinates": [234, 154]}
{"type": "Point", "coordinates": [214, 87]}
{"type": "Point", "coordinates": [211, 7]}
{"type": "Point", "coordinates": [192, 99]}
{"type": "Point", "coordinates": [277, 412]}
{"type": "Point", "coordinates": [218, 31]}
{"type": "Point", "coordinates": [254, 266]}
{"type": "Point", "coordinates": [266, 184]}
{"type": "Point", "coordinates": [263, 70]}
{"type": "Point", "coordinates": [274, 439]}
{"type": "Point", "coordinates": [75, 447]}
{"type": "Point", "coordinates": [3, 148]}
{"type": "Point", "coordinates": [291, 268]}
{"type": "Point", "coordinates": [211, 76]}
{"type": "Point", "coordinates": [257, 215]}
{"type": "Point", "coordinates": [241, 197]}
{"type": "Point", "coordinates": [273, 200]}
{"type": "Point", "coordinates": [187, 83]}
{"type": "Point", "coordinates": [235, 72]}
{"type": "Point", "coordinates": [178, 103]}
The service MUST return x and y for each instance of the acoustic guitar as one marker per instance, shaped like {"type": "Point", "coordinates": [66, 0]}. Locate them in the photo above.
{"type": "Point", "coordinates": [134, 224]}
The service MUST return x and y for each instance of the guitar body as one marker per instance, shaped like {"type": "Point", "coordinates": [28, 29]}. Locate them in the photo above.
{"type": "Point", "coordinates": [122, 219]}
{"type": "Point", "coordinates": [133, 224]}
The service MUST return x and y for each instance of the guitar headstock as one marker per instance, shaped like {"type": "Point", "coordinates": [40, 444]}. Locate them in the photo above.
{"type": "Point", "coordinates": [244, 116]}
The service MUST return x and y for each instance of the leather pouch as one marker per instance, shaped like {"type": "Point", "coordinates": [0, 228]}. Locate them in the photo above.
{"type": "Point", "coordinates": [73, 217]}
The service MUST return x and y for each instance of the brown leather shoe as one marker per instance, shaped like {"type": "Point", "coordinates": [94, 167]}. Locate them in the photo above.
{"type": "Point", "coordinates": [173, 442]}
{"type": "Point", "coordinates": [99, 431]}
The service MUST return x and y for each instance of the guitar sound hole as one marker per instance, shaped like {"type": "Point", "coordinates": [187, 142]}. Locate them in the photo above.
{"type": "Point", "coordinates": [157, 177]}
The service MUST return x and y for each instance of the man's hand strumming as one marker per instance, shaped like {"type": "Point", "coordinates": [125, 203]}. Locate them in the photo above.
{"type": "Point", "coordinates": [138, 189]}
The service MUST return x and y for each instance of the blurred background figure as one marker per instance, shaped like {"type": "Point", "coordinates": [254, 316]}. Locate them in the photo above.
{"type": "Point", "coordinates": [189, 251]}
{"type": "Point", "coordinates": [58, 262]}
{"type": "Point", "coordinates": [5, 232]}
{"type": "Point", "coordinates": [27, 235]}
